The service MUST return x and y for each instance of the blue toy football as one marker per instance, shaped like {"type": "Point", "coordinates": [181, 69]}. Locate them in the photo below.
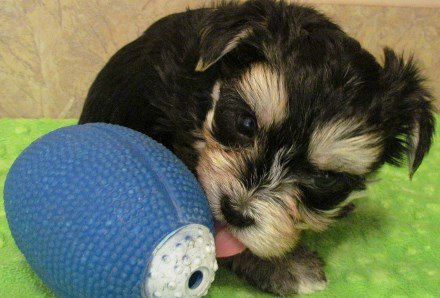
{"type": "Point", "coordinates": [100, 210]}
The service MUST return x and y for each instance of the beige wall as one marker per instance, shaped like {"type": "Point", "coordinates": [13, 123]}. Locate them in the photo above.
{"type": "Point", "coordinates": [50, 51]}
{"type": "Point", "coordinates": [399, 3]}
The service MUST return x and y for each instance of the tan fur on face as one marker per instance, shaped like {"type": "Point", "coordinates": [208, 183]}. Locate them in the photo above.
{"type": "Point", "coordinates": [218, 168]}
{"type": "Point", "coordinates": [215, 94]}
{"type": "Point", "coordinates": [274, 232]}
{"type": "Point", "coordinates": [333, 147]}
{"type": "Point", "coordinates": [272, 205]}
{"type": "Point", "coordinates": [264, 91]}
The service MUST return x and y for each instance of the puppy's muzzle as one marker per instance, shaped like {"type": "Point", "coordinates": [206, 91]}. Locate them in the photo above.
{"type": "Point", "coordinates": [233, 216]}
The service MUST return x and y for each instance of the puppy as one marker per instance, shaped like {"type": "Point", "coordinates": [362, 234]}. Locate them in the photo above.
{"type": "Point", "coordinates": [280, 114]}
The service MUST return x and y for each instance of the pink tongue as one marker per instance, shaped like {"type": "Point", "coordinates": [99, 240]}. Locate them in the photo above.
{"type": "Point", "coordinates": [226, 245]}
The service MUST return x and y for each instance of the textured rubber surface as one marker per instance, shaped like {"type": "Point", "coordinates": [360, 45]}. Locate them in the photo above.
{"type": "Point", "coordinates": [183, 265]}
{"type": "Point", "coordinates": [389, 246]}
{"type": "Point", "coordinates": [87, 205]}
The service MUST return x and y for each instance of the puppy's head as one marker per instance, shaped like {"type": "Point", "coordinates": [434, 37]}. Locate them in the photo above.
{"type": "Point", "coordinates": [301, 117]}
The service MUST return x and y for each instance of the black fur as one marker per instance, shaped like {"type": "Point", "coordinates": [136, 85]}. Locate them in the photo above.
{"type": "Point", "coordinates": [281, 276]}
{"type": "Point", "coordinates": [151, 85]}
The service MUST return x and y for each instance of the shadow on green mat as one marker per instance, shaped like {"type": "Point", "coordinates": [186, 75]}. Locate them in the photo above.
{"type": "Point", "coordinates": [388, 247]}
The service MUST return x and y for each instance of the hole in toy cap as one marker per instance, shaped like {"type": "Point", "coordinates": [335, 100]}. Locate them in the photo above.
{"type": "Point", "coordinates": [195, 279]}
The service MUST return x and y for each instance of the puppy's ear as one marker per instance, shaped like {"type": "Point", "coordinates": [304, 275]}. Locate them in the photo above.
{"type": "Point", "coordinates": [225, 28]}
{"type": "Point", "coordinates": [407, 111]}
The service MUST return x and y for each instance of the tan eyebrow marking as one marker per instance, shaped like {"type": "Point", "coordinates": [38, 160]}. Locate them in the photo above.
{"type": "Point", "coordinates": [264, 91]}
{"type": "Point", "coordinates": [336, 146]}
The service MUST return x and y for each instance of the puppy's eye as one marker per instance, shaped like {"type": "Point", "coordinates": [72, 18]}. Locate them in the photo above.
{"type": "Point", "coordinates": [325, 180]}
{"type": "Point", "coordinates": [234, 122]}
{"type": "Point", "coordinates": [246, 125]}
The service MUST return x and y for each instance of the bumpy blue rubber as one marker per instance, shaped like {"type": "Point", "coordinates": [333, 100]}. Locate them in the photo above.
{"type": "Point", "coordinates": [87, 205]}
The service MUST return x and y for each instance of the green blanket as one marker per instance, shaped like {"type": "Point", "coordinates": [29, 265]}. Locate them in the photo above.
{"type": "Point", "coordinates": [389, 247]}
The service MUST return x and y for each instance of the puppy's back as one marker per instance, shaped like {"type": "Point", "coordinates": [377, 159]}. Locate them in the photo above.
{"type": "Point", "coordinates": [131, 90]}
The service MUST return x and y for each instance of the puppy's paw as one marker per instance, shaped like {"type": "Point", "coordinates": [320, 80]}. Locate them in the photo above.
{"type": "Point", "coordinates": [305, 273]}
{"type": "Point", "coordinates": [311, 286]}
{"type": "Point", "coordinates": [310, 277]}
{"type": "Point", "coordinates": [299, 272]}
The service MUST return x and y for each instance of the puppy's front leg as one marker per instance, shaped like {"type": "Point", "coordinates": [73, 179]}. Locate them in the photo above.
{"type": "Point", "coordinates": [298, 272]}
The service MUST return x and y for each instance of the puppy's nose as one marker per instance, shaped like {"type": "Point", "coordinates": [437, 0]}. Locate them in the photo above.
{"type": "Point", "coordinates": [233, 216]}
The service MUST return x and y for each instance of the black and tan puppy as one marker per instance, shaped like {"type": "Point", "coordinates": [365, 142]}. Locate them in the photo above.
{"type": "Point", "coordinates": [278, 112]}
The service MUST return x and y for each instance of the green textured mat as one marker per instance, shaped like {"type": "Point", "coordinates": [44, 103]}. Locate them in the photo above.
{"type": "Point", "coordinates": [389, 247]}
